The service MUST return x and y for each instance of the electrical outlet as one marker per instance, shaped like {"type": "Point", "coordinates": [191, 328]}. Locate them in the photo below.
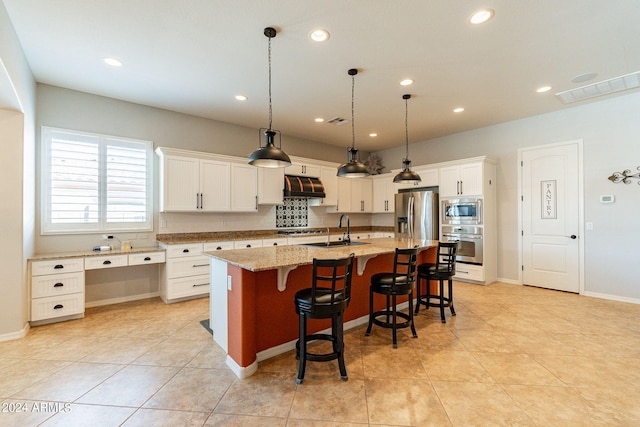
{"type": "Point", "coordinates": [107, 237]}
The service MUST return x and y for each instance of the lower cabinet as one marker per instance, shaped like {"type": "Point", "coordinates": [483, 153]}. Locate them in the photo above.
{"type": "Point", "coordinates": [469, 272]}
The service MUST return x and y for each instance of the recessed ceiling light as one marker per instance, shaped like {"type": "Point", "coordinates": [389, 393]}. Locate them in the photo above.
{"type": "Point", "coordinates": [113, 62]}
{"type": "Point", "coordinates": [458, 110]}
{"type": "Point", "coordinates": [543, 89]}
{"type": "Point", "coordinates": [481, 16]}
{"type": "Point", "coordinates": [373, 134]}
{"type": "Point", "coordinates": [320, 35]}
{"type": "Point", "coordinates": [319, 120]}
{"type": "Point", "coordinates": [406, 82]}
{"type": "Point", "coordinates": [241, 97]}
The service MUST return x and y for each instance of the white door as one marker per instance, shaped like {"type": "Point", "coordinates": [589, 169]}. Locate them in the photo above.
{"type": "Point", "coordinates": [551, 217]}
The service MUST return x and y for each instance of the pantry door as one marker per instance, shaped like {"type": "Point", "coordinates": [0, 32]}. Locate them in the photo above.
{"type": "Point", "coordinates": [552, 247]}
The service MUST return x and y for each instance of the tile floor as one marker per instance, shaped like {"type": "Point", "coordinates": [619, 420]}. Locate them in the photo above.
{"type": "Point", "coordinates": [514, 355]}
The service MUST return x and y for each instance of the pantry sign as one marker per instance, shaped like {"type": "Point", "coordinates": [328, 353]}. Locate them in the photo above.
{"type": "Point", "coordinates": [549, 199]}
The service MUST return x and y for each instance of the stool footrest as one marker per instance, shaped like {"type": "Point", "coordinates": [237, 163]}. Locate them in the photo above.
{"type": "Point", "coordinates": [389, 313]}
{"type": "Point", "coordinates": [314, 357]}
{"type": "Point", "coordinates": [424, 300]}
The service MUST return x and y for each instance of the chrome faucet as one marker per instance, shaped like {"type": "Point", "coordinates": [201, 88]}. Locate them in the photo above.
{"type": "Point", "coordinates": [346, 239]}
{"type": "Point", "coordinates": [328, 236]}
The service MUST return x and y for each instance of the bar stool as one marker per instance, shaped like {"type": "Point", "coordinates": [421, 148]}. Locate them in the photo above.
{"type": "Point", "coordinates": [443, 269]}
{"type": "Point", "coordinates": [327, 298]}
{"type": "Point", "coordinates": [399, 282]}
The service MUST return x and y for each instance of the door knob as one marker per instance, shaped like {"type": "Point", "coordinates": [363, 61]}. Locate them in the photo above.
{"type": "Point", "coordinates": [573, 237]}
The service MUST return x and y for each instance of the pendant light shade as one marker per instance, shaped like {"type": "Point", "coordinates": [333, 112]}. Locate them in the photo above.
{"type": "Point", "coordinates": [407, 176]}
{"type": "Point", "coordinates": [354, 168]}
{"type": "Point", "coordinates": [269, 156]}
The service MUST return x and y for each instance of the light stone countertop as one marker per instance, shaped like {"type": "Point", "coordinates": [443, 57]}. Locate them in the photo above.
{"type": "Point", "coordinates": [79, 254]}
{"type": "Point", "coordinates": [272, 257]}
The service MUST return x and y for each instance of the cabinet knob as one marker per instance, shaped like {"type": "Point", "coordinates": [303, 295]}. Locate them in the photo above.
{"type": "Point", "coordinates": [147, 258]}
{"type": "Point", "coordinates": [219, 248]}
{"type": "Point", "coordinates": [58, 306]}
{"type": "Point", "coordinates": [107, 262]}
{"type": "Point", "coordinates": [185, 251]}
{"type": "Point", "coordinates": [58, 266]}
{"type": "Point", "coordinates": [58, 285]}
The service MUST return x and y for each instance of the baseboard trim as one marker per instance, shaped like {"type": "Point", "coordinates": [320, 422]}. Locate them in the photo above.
{"type": "Point", "coordinates": [17, 334]}
{"type": "Point", "coordinates": [241, 372]}
{"type": "Point", "coordinates": [611, 297]}
{"type": "Point", "coordinates": [509, 281]}
{"type": "Point", "coordinates": [121, 299]}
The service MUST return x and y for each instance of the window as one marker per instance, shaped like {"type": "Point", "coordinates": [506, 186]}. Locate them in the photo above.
{"type": "Point", "coordinates": [95, 183]}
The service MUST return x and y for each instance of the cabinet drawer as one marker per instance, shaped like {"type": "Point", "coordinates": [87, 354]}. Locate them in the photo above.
{"type": "Point", "coordinates": [146, 258]}
{"type": "Point", "coordinates": [55, 266]}
{"type": "Point", "coordinates": [191, 249]}
{"type": "Point", "coordinates": [217, 246]}
{"type": "Point", "coordinates": [469, 272]}
{"type": "Point", "coordinates": [242, 244]}
{"type": "Point", "coordinates": [184, 267]}
{"type": "Point", "coordinates": [281, 241]}
{"type": "Point", "coordinates": [105, 261]}
{"type": "Point", "coordinates": [187, 286]}
{"type": "Point", "coordinates": [57, 284]}
{"type": "Point", "coordinates": [57, 306]}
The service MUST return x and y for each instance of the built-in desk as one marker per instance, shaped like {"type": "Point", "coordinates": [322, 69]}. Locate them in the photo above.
{"type": "Point", "coordinates": [57, 281]}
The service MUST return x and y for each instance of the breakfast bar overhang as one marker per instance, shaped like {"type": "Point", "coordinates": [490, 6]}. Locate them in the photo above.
{"type": "Point", "coordinates": [252, 291]}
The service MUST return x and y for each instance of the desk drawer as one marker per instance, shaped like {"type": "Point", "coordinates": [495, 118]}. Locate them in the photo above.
{"type": "Point", "coordinates": [146, 258]}
{"type": "Point", "coordinates": [57, 284]}
{"type": "Point", "coordinates": [55, 266]}
{"type": "Point", "coordinates": [191, 266]}
{"type": "Point", "coordinates": [105, 261]}
{"type": "Point", "coordinates": [190, 249]}
{"type": "Point", "coordinates": [57, 306]}
{"type": "Point", "coordinates": [187, 287]}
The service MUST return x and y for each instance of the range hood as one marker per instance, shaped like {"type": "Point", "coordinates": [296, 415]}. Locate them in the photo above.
{"type": "Point", "coordinates": [303, 186]}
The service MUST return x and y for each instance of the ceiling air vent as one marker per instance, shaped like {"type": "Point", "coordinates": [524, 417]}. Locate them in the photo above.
{"type": "Point", "coordinates": [606, 87]}
{"type": "Point", "coordinates": [337, 121]}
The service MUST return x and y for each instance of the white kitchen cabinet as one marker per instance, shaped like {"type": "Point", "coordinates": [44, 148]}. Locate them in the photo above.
{"type": "Point", "coordinates": [301, 167]}
{"type": "Point", "coordinates": [278, 241]}
{"type": "Point", "coordinates": [462, 180]}
{"type": "Point", "coordinates": [192, 184]}
{"type": "Point", "coordinates": [429, 177]}
{"type": "Point", "coordinates": [185, 274]}
{"type": "Point", "coordinates": [244, 188]}
{"type": "Point", "coordinates": [384, 191]}
{"type": "Point", "coordinates": [361, 195]}
{"type": "Point", "coordinates": [330, 182]}
{"type": "Point", "coordinates": [270, 186]}
{"type": "Point", "coordinates": [57, 288]}
{"type": "Point", "coordinates": [246, 244]}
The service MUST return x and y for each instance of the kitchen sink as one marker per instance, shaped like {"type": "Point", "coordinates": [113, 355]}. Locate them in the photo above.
{"type": "Point", "coordinates": [332, 244]}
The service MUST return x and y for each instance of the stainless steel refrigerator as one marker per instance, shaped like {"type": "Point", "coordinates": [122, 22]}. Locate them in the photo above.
{"type": "Point", "coordinates": [416, 213]}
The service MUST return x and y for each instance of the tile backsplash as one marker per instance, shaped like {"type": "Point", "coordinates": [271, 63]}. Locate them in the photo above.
{"type": "Point", "coordinates": [292, 213]}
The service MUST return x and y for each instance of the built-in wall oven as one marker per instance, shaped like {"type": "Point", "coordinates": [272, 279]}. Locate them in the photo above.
{"type": "Point", "coordinates": [462, 211]}
{"type": "Point", "coordinates": [469, 239]}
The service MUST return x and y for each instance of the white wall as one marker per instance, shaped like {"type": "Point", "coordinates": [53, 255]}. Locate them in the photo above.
{"type": "Point", "coordinates": [17, 105]}
{"type": "Point", "coordinates": [610, 130]}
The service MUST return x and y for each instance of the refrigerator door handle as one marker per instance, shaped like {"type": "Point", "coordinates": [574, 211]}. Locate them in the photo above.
{"type": "Point", "coordinates": [410, 209]}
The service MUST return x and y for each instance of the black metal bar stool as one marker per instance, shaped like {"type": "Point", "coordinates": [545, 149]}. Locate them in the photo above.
{"type": "Point", "coordinates": [399, 282]}
{"type": "Point", "coordinates": [443, 269]}
{"type": "Point", "coordinates": [327, 298]}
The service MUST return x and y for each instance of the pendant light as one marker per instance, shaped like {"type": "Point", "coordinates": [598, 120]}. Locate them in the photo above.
{"type": "Point", "coordinates": [270, 156]}
{"type": "Point", "coordinates": [353, 168]}
{"type": "Point", "coordinates": [407, 176]}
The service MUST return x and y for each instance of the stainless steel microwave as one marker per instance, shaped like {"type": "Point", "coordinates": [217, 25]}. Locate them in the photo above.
{"type": "Point", "coordinates": [462, 211]}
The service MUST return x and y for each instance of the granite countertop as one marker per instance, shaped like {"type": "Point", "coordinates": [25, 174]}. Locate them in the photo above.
{"type": "Point", "coordinates": [272, 257]}
{"type": "Point", "coordinates": [217, 236]}
{"type": "Point", "coordinates": [78, 254]}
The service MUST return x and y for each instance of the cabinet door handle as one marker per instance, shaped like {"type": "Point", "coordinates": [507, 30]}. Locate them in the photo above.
{"type": "Point", "coordinates": [107, 262]}
{"type": "Point", "coordinates": [275, 244]}
{"type": "Point", "coordinates": [201, 284]}
{"type": "Point", "coordinates": [58, 266]}
{"type": "Point", "coordinates": [248, 246]}
{"type": "Point", "coordinates": [58, 285]}
{"type": "Point", "coordinates": [200, 265]}
{"type": "Point", "coordinates": [147, 258]}
{"type": "Point", "coordinates": [219, 248]}
{"type": "Point", "coordinates": [201, 200]}
{"type": "Point", "coordinates": [185, 251]}
{"type": "Point", "coordinates": [58, 306]}
{"type": "Point", "coordinates": [461, 192]}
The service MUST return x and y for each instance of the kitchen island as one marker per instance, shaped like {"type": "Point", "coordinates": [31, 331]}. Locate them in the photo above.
{"type": "Point", "coordinates": [252, 292]}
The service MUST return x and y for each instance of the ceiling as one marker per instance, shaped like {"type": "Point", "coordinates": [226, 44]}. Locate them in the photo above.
{"type": "Point", "coordinates": [194, 56]}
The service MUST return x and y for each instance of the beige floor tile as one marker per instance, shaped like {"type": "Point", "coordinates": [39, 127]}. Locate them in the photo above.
{"type": "Point", "coordinates": [193, 389]}
{"type": "Point", "coordinates": [440, 340]}
{"type": "Point", "coordinates": [387, 403]}
{"type": "Point", "coordinates": [617, 402]}
{"type": "Point", "coordinates": [388, 362]}
{"type": "Point", "coordinates": [90, 415]}
{"type": "Point", "coordinates": [69, 383]}
{"type": "Point", "coordinates": [444, 365]}
{"type": "Point", "coordinates": [131, 386]}
{"type": "Point", "coordinates": [72, 349]}
{"type": "Point", "coordinates": [312, 423]}
{"type": "Point", "coordinates": [516, 368]}
{"type": "Point", "coordinates": [162, 418]}
{"type": "Point", "coordinates": [246, 421]}
{"type": "Point", "coordinates": [16, 377]}
{"type": "Point", "coordinates": [211, 356]}
{"type": "Point", "coordinates": [330, 400]}
{"type": "Point", "coordinates": [121, 350]}
{"type": "Point", "coordinates": [193, 330]}
{"type": "Point", "coordinates": [486, 341]}
{"type": "Point", "coordinates": [585, 371]}
{"type": "Point", "coordinates": [557, 406]}
{"type": "Point", "coordinates": [267, 394]}
{"type": "Point", "coordinates": [478, 404]}
{"type": "Point", "coordinates": [171, 352]}
{"type": "Point", "coordinates": [20, 413]}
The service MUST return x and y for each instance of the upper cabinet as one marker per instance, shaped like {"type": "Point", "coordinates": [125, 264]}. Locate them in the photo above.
{"type": "Point", "coordinates": [303, 167]}
{"type": "Point", "coordinates": [330, 182]}
{"type": "Point", "coordinates": [190, 184]}
{"type": "Point", "coordinates": [465, 179]}
{"type": "Point", "coordinates": [429, 177]}
{"type": "Point", "coordinates": [354, 195]}
{"type": "Point", "coordinates": [270, 185]}
{"type": "Point", "coordinates": [201, 182]}
{"type": "Point", "coordinates": [384, 190]}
